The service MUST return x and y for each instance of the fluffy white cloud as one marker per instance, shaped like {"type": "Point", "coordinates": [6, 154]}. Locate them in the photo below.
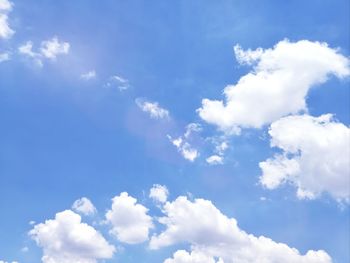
{"type": "Point", "coordinates": [84, 206]}
{"type": "Point", "coordinates": [208, 231]}
{"type": "Point", "coordinates": [214, 159]}
{"type": "Point", "coordinates": [53, 47]}
{"type": "Point", "coordinates": [5, 30]}
{"type": "Point", "coordinates": [66, 239]}
{"type": "Point", "coordinates": [50, 49]}
{"type": "Point", "coordinates": [88, 75]}
{"type": "Point", "coordinates": [182, 256]}
{"type": "Point", "coordinates": [159, 193]}
{"type": "Point", "coordinates": [277, 85]}
{"type": "Point", "coordinates": [130, 221]}
{"type": "Point", "coordinates": [315, 156]}
{"type": "Point", "coordinates": [153, 109]}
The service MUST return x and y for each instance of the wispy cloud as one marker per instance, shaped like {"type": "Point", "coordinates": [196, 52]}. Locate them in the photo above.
{"type": "Point", "coordinates": [49, 49]}
{"type": "Point", "coordinates": [88, 75]}
{"type": "Point", "coordinates": [152, 108]}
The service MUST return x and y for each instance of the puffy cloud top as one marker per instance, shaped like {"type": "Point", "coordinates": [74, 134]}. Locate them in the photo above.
{"type": "Point", "coordinates": [66, 239]}
{"type": "Point", "coordinates": [277, 85]}
{"type": "Point", "coordinates": [130, 221]}
{"type": "Point", "coordinates": [212, 234]}
{"type": "Point", "coordinates": [315, 156]}
{"type": "Point", "coordinates": [159, 193]}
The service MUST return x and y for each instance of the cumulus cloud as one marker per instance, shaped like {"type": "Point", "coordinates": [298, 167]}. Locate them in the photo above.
{"type": "Point", "coordinates": [53, 47]}
{"type": "Point", "coordinates": [153, 109]}
{"type": "Point", "coordinates": [315, 156]}
{"type": "Point", "coordinates": [182, 143]}
{"type": "Point", "coordinates": [66, 239]}
{"type": "Point", "coordinates": [209, 232]}
{"type": "Point", "coordinates": [182, 256]}
{"type": "Point", "coordinates": [277, 85]}
{"type": "Point", "coordinates": [5, 30]}
{"type": "Point", "coordinates": [130, 222]}
{"type": "Point", "coordinates": [84, 206]}
{"type": "Point", "coordinates": [88, 75]}
{"type": "Point", "coordinates": [50, 49]}
{"type": "Point", "coordinates": [159, 193]}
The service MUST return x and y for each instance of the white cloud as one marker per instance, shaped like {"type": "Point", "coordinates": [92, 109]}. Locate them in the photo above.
{"type": "Point", "coordinates": [50, 49]}
{"type": "Point", "coordinates": [4, 56]}
{"type": "Point", "coordinates": [191, 128]}
{"type": "Point", "coordinates": [214, 159]}
{"type": "Point", "coordinates": [221, 148]}
{"type": "Point", "coordinates": [182, 256]}
{"type": "Point", "coordinates": [53, 47]}
{"type": "Point", "coordinates": [118, 81]}
{"type": "Point", "coordinates": [5, 6]}
{"type": "Point", "coordinates": [159, 193]}
{"type": "Point", "coordinates": [84, 206]}
{"type": "Point", "coordinates": [27, 49]}
{"type": "Point", "coordinates": [277, 85]}
{"type": "Point", "coordinates": [3, 261]}
{"type": "Point", "coordinates": [207, 230]}
{"type": "Point", "coordinates": [182, 142]}
{"type": "Point", "coordinates": [186, 150]}
{"type": "Point", "coordinates": [5, 30]}
{"type": "Point", "coordinates": [315, 156]}
{"type": "Point", "coordinates": [153, 109]}
{"type": "Point", "coordinates": [88, 75]}
{"type": "Point", "coordinates": [66, 239]}
{"type": "Point", "coordinates": [130, 221]}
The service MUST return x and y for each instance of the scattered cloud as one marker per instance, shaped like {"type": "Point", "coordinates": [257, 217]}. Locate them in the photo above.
{"type": "Point", "coordinates": [212, 234]}
{"type": "Point", "coordinates": [84, 206]}
{"type": "Point", "coordinates": [182, 256]}
{"type": "Point", "coordinates": [53, 47]}
{"type": "Point", "coordinates": [66, 239]}
{"type": "Point", "coordinates": [117, 81]}
{"type": "Point", "coordinates": [186, 150]}
{"type": "Point", "coordinates": [214, 159]}
{"type": "Point", "coordinates": [88, 75]}
{"type": "Point", "coordinates": [153, 109]}
{"type": "Point", "coordinates": [130, 222]}
{"type": "Point", "coordinates": [277, 85]}
{"type": "Point", "coordinates": [5, 31]}
{"type": "Point", "coordinates": [50, 49]}
{"type": "Point", "coordinates": [191, 128]}
{"type": "Point", "coordinates": [159, 193]}
{"type": "Point", "coordinates": [182, 143]}
{"type": "Point", "coordinates": [315, 156]}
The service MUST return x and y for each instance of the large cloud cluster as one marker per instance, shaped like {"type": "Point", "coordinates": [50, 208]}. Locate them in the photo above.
{"type": "Point", "coordinates": [315, 156]}
{"type": "Point", "coordinates": [277, 86]}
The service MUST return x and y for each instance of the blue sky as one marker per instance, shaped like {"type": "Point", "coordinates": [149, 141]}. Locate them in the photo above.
{"type": "Point", "coordinates": [67, 134]}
